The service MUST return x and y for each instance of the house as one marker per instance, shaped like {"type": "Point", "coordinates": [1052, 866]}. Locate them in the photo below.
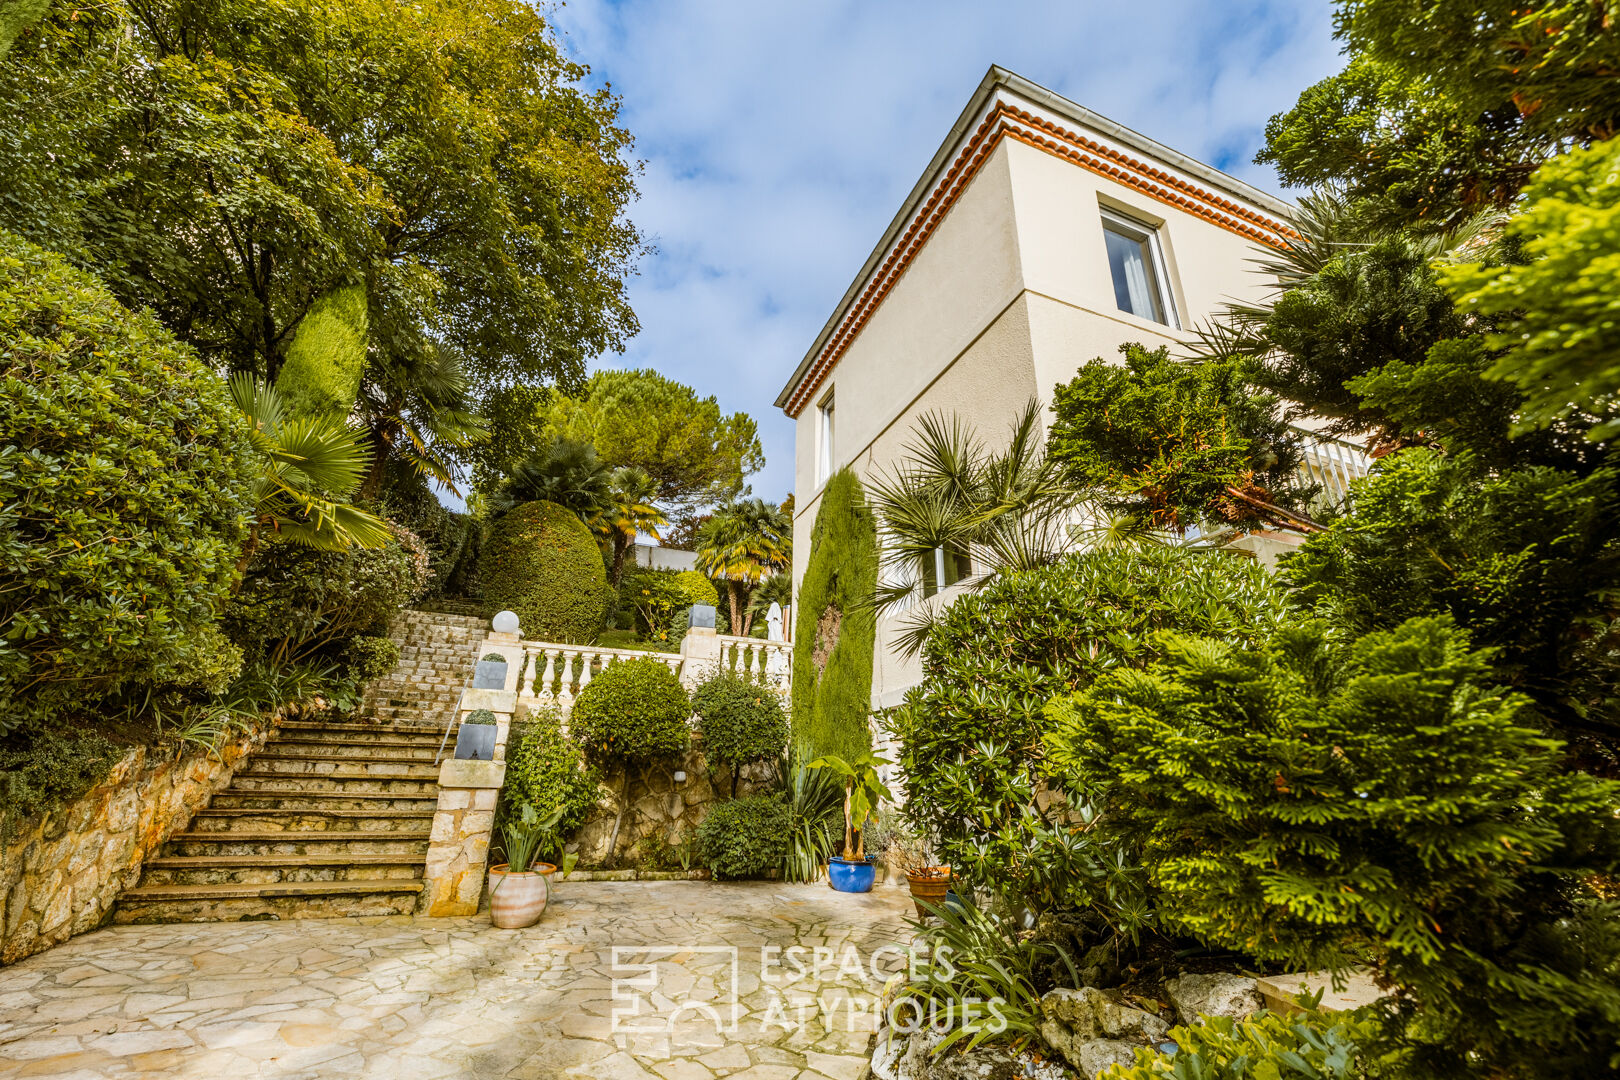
{"type": "Point", "coordinates": [1040, 236]}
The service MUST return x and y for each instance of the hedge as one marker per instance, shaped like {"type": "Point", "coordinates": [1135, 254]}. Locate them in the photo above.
{"type": "Point", "coordinates": [126, 480]}
{"type": "Point", "coordinates": [743, 838]}
{"type": "Point", "coordinates": [542, 562]}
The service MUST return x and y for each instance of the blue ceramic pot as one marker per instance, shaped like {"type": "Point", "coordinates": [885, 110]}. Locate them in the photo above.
{"type": "Point", "coordinates": [852, 875]}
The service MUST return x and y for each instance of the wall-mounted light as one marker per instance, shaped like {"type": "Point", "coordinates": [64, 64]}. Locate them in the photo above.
{"type": "Point", "coordinates": [680, 776]}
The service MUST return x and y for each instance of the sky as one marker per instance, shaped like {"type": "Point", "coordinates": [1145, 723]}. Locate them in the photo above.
{"type": "Point", "coordinates": [778, 139]}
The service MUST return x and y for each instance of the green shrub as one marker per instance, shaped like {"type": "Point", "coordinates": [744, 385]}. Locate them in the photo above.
{"type": "Point", "coordinates": [370, 657]}
{"type": "Point", "coordinates": [541, 562]}
{"type": "Point", "coordinates": [298, 602]}
{"type": "Point", "coordinates": [744, 838]}
{"type": "Point", "coordinates": [210, 666]}
{"type": "Point", "coordinates": [741, 722]}
{"type": "Point", "coordinates": [1323, 801]}
{"type": "Point", "coordinates": [634, 712]}
{"type": "Point", "coordinates": [546, 771]}
{"type": "Point", "coordinates": [1312, 1045]}
{"type": "Point", "coordinates": [44, 766]}
{"type": "Point", "coordinates": [835, 628]}
{"type": "Point", "coordinates": [970, 732]}
{"type": "Point", "coordinates": [125, 483]}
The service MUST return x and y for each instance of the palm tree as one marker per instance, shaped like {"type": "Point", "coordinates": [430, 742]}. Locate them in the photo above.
{"type": "Point", "coordinates": [1000, 511]}
{"type": "Point", "coordinates": [311, 463]}
{"type": "Point", "coordinates": [740, 544]}
{"type": "Point", "coordinates": [567, 473]}
{"type": "Point", "coordinates": [418, 411]}
{"type": "Point", "coordinates": [628, 513]}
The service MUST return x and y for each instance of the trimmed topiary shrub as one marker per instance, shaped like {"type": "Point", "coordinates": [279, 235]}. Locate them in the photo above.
{"type": "Point", "coordinates": [297, 602]}
{"type": "Point", "coordinates": [126, 480]}
{"type": "Point", "coordinates": [697, 588]}
{"type": "Point", "coordinates": [835, 628]}
{"type": "Point", "coordinates": [742, 722]}
{"type": "Point", "coordinates": [744, 838]}
{"type": "Point", "coordinates": [970, 733]}
{"type": "Point", "coordinates": [634, 712]}
{"type": "Point", "coordinates": [546, 771]}
{"type": "Point", "coordinates": [542, 562]}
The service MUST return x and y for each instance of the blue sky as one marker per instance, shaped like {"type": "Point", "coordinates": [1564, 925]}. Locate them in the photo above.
{"type": "Point", "coordinates": [779, 139]}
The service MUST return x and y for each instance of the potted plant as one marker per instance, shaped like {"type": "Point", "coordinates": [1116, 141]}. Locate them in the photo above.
{"type": "Point", "coordinates": [520, 887]}
{"type": "Point", "coordinates": [855, 871]}
{"type": "Point", "coordinates": [928, 882]}
{"type": "Point", "coordinates": [490, 674]}
{"type": "Point", "coordinates": [475, 738]}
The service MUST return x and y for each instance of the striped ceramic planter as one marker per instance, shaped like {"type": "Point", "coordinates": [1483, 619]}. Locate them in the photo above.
{"type": "Point", "coordinates": [518, 900]}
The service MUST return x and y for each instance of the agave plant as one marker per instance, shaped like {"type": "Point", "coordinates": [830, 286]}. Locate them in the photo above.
{"type": "Point", "coordinates": [311, 464]}
{"type": "Point", "coordinates": [815, 801]}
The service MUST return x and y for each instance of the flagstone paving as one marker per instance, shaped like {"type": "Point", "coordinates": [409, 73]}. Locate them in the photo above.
{"type": "Point", "coordinates": [418, 999]}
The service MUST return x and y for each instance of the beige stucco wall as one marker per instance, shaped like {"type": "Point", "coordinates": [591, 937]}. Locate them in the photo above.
{"type": "Point", "coordinates": [1009, 297]}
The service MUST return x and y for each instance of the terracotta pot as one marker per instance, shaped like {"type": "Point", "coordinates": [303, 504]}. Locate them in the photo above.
{"type": "Point", "coordinates": [518, 900]}
{"type": "Point", "coordinates": [929, 883]}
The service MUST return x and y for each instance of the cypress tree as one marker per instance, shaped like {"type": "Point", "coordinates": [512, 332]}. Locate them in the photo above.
{"type": "Point", "coordinates": [836, 626]}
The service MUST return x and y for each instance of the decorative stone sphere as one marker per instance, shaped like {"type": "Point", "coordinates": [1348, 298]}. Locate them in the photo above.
{"type": "Point", "coordinates": [504, 622]}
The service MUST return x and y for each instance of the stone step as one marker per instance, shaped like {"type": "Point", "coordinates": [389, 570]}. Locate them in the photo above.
{"type": "Point", "coordinates": [336, 732]}
{"type": "Point", "coordinates": [300, 799]}
{"type": "Point", "coordinates": [260, 765]}
{"type": "Point", "coordinates": [256, 820]}
{"type": "Point", "coordinates": [278, 751]}
{"type": "Point", "coordinates": [276, 900]}
{"type": "Point", "coordinates": [282, 783]}
{"type": "Point", "coordinates": [268, 869]}
{"type": "Point", "coordinates": [281, 842]}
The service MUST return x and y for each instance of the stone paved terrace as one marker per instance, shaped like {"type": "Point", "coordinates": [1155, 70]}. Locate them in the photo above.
{"type": "Point", "coordinates": [404, 998]}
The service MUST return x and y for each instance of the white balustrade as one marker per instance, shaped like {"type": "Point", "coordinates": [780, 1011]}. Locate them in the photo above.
{"type": "Point", "coordinates": [769, 663]}
{"type": "Point", "coordinates": [561, 672]}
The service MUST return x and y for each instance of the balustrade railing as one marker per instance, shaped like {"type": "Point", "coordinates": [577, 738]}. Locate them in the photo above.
{"type": "Point", "coordinates": [555, 674]}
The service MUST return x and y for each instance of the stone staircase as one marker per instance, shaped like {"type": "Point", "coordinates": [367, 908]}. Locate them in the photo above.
{"type": "Point", "coordinates": [437, 651]}
{"type": "Point", "coordinates": [329, 819]}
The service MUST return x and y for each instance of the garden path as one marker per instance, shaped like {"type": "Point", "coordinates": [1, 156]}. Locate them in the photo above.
{"type": "Point", "coordinates": [596, 989]}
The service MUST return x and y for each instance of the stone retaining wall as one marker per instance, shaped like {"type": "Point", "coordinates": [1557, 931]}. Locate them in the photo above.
{"type": "Point", "coordinates": [61, 874]}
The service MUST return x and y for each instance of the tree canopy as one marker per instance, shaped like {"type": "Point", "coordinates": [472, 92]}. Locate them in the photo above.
{"type": "Point", "coordinates": [695, 455]}
{"type": "Point", "coordinates": [227, 164]}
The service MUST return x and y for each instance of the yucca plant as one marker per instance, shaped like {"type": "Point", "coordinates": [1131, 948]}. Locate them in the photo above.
{"type": "Point", "coordinates": [976, 957]}
{"type": "Point", "coordinates": [815, 799]}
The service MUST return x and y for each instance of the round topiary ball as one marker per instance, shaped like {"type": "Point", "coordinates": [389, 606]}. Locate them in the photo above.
{"type": "Point", "coordinates": [633, 712]}
{"type": "Point", "coordinates": [698, 589]}
{"type": "Point", "coordinates": [741, 721]}
{"type": "Point", "coordinates": [542, 563]}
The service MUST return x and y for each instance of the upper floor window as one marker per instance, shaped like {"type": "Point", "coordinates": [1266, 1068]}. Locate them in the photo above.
{"type": "Point", "coordinates": [1135, 260]}
{"type": "Point", "coordinates": [824, 438]}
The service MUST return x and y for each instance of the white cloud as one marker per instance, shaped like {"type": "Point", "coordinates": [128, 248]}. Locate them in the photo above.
{"type": "Point", "coordinates": [779, 140]}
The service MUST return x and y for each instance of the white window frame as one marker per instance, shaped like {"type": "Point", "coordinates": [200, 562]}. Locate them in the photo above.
{"type": "Point", "coordinates": [824, 438]}
{"type": "Point", "coordinates": [1149, 235]}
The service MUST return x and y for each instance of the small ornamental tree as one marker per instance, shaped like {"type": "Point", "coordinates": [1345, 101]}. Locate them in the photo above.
{"type": "Point", "coordinates": [126, 479]}
{"type": "Point", "coordinates": [836, 627]}
{"type": "Point", "coordinates": [541, 562]}
{"type": "Point", "coordinates": [630, 716]}
{"type": "Point", "coordinates": [742, 722]}
{"type": "Point", "coordinates": [1323, 801]}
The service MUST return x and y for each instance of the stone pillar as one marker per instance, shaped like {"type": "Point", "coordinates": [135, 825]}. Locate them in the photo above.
{"type": "Point", "coordinates": [458, 848]}
{"type": "Point", "coordinates": [700, 655]}
{"type": "Point", "coordinates": [459, 845]}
